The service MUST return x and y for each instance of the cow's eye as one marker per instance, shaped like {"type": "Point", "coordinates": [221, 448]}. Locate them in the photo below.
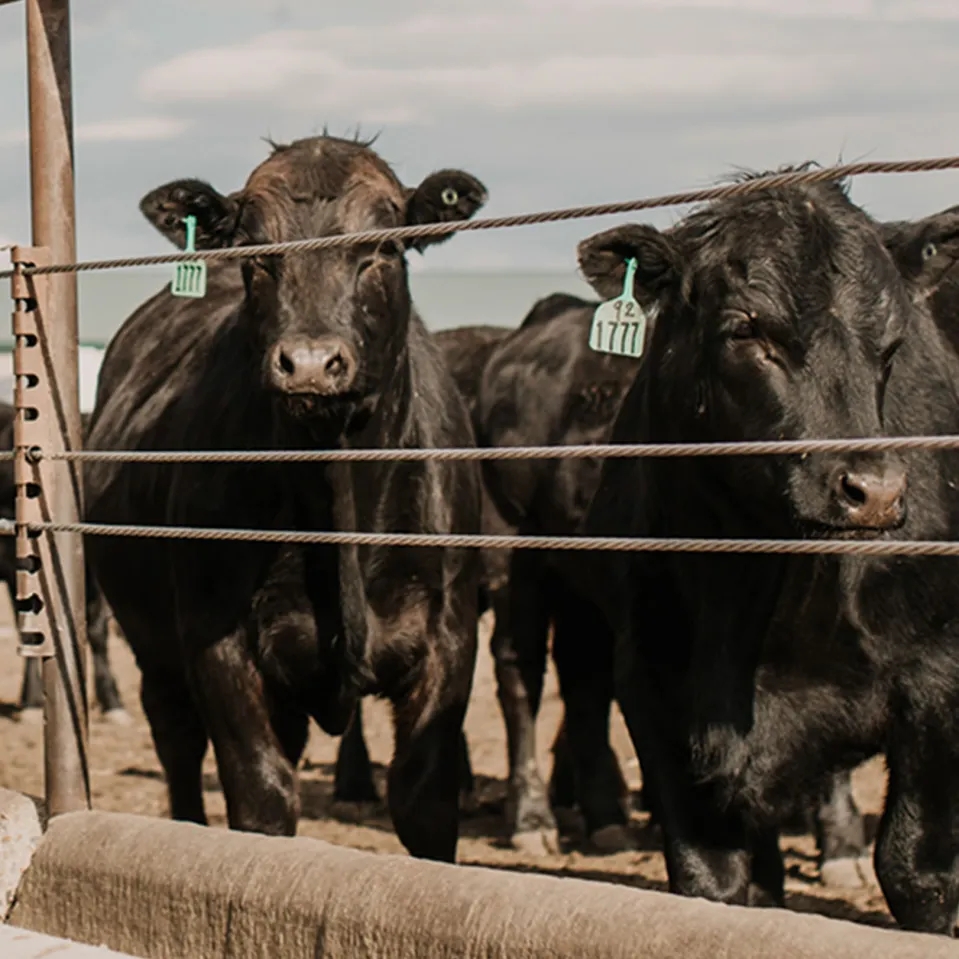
{"type": "Point", "coordinates": [743, 327]}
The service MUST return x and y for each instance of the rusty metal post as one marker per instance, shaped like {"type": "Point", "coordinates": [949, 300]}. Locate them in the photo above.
{"type": "Point", "coordinates": [48, 413]}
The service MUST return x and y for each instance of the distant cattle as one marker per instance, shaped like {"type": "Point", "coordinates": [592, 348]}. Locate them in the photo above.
{"type": "Point", "coordinates": [544, 386]}
{"type": "Point", "coordinates": [31, 695]}
{"type": "Point", "coordinates": [240, 642]}
{"type": "Point", "coordinates": [747, 680]}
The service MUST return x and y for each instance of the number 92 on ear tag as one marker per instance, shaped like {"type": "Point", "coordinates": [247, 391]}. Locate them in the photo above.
{"type": "Point", "coordinates": [619, 326]}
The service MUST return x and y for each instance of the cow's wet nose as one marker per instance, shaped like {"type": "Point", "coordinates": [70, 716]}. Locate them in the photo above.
{"type": "Point", "coordinates": [873, 497]}
{"type": "Point", "coordinates": [323, 367]}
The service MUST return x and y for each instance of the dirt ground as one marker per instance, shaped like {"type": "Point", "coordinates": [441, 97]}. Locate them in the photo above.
{"type": "Point", "coordinates": [126, 777]}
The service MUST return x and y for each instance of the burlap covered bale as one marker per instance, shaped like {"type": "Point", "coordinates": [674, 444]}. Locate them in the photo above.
{"type": "Point", "coordinates": [170, 890]}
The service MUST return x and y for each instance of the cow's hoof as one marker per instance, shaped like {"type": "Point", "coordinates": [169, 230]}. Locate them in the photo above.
{"type": "Point", "coordinates": [539, 842]}
{"type": "Point", "coordinates": [118, 717]}
{"type": "Point", "coordinates": [31, 716]}
{"type": "Point", "coordinates": [848, 873]}
{"type": "Point", "coordinates": [610, 840]}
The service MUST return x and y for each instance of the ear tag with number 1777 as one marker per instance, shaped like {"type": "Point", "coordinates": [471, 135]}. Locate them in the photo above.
{"type": "Point", "coordinates": [619, 325]}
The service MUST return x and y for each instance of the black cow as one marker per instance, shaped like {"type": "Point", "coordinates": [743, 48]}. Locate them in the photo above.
{"type": "Point", "coordinates": [465, 350]}
{"type": "Point", "coordinates": [917, 247]}
{"type": "Point", "coordinates": [31, 694]}
{"type": "Point", "coordinates": [240, 642]}
{"type": "Point", "coordinates": [746, 680]}
{"type": "Point", "coordinates": [544, 386]}
{"type": "Point", "coordinates": [545, 383]}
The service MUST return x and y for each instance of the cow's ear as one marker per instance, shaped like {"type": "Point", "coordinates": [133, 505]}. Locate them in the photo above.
{"type": "Point", "coordinates": [603, 257]}
{"type": "Point", "coordinates": [442, 197]}
{"type": "Point", "coordinates": [167, 205]}
{"type": "Point", "coordinates": [925, 249]}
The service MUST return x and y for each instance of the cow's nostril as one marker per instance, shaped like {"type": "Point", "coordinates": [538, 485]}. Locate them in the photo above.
{"type": "Point", "coordinates": [285, 363]}
{"type": "Point", "coordinates": [852, 491]}
{"type": "Point", "coordinates": [335, 364]}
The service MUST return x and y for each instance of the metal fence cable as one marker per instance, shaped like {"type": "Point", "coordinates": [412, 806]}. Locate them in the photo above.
{"type": "Point", "coordinates": [598, 450]}
{"type": "Point", "coordinates": [741, 188]}
{"type": "Point", "coordinates": [829, 547]}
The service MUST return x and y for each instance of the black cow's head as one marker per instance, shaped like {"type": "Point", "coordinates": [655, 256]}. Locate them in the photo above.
{"type": "Point", "coordinates": [330, 324]}
{"type": "Point", "coordinates": [926, 252]}
{"type": "Point", "coordinates": [778, 315]}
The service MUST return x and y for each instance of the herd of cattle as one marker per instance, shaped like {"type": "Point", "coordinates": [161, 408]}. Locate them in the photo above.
{"type": "Point", "coordinates": [750, 684]}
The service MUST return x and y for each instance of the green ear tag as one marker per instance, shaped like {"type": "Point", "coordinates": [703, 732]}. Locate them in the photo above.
{"type": "Point", "coordinates": [189, 279]}
{"type": "Point", "coordinates": [619, 325]}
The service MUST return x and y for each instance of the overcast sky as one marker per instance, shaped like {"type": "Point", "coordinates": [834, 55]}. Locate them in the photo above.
{"type": "Point", "coordinates": [549, 102]}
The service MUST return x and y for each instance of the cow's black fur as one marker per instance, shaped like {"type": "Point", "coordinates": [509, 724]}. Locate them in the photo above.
{"type": "Point", "coordinates": [240, 643]}
{"type": "Point", "coordinates": [746, 680]}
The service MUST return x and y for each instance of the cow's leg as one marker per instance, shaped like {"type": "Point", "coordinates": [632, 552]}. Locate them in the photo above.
{"type": "Point", "coordinates": [98, 631]}
{"type": "Point", "coordinates": [429, 706]}
{"type": "Point", "coordinates": [353, 775]}
{"type": "Point", "coordinates": [841, 835]}
{"type": "Point", "coordinates": [707, 851]}
{"type": "Point", "coordinates": [585, 671]}
{"type": "Point", "coordinates": [104, 683]}
{"type": "Point", "coordinates": [562, 780]}
{"type": "Point", "coordinates": [519, 647]}
{"type": "Point", "coordinates": [423, 781]}
{"type": "Point", "coordinates": [180, 739]}
{"type": "Point", "coordinates": [917, 849]}
{"type": "Point", "coordinates": [291, 725]}
{"type": "Point", "coordinates": [464, 767]}
{"type": "Point", "coordinates": [258, 778]}
{"type": "Point", "coordinates": [768, 869]}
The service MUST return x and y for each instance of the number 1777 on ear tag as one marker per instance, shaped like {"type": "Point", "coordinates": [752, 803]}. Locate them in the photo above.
{"type": "Point", "coordinates": [619, 325]}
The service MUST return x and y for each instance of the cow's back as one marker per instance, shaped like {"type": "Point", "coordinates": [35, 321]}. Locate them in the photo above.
{"type": "Point", "coordinates": [544, 386]}
{"type": "Point", "coordinates": [466, 350]}
{"type": "Point", "coordinates": [155, 363]}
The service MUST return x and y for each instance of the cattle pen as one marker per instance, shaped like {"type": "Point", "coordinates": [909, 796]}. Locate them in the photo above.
{"type": "Point", "coordinates": [159, 889]}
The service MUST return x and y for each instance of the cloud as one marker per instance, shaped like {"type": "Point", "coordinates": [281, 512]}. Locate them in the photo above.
{"type": "Point", "coordinates": [279, 65]}
{"type": "Point", "coordinates": [869, 10]}
{"type": "Point", "coordinates": [127, 130]}
{"type": "Point", "coordinates": [609, 55]}
{"type": "Point", "coordinates": [131, 129]}
{"type": "Point", "coordinates": [550, 102]}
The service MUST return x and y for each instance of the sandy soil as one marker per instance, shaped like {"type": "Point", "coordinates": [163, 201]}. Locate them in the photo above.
{"type": "Point", "coordinates": [127, 777]}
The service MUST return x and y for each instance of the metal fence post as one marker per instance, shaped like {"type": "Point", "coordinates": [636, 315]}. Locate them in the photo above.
{"type": "Point", "coordinates": [50, 572]}
{"type": "Point", "coordinates": [47, 383]}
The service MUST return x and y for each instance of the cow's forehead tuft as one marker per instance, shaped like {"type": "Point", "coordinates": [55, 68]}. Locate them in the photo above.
{"type": "Point", "coordinates": [322, 167]}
